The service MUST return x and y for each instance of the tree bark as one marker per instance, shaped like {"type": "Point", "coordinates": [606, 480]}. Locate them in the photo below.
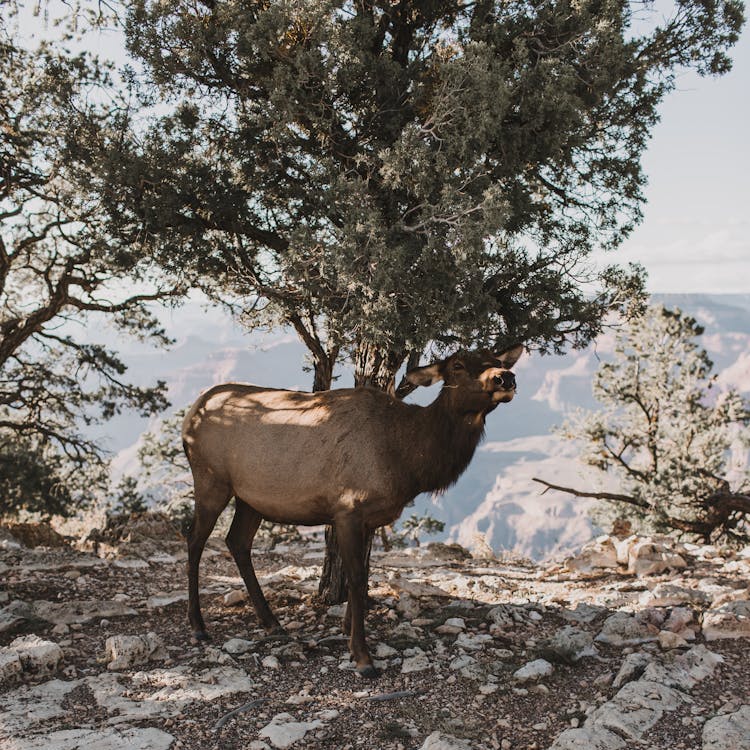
{"type": "Point", "coordinates": [376, 369]}
{"type": "Point", "coordinates": [333, 588]}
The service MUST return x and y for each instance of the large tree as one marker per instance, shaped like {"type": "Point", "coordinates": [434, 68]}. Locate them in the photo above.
{"type": "Point", "coordinates": [388, 176]}
{"type": "Point", "coordinates": [665, 433]}
{"type": "Point", "coordinates": [59, 270]}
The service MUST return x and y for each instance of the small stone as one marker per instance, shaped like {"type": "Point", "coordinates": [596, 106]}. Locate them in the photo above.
{"type": "Point", "coordinates": [452, 626]}
{"type": "Point", "coordinates": [384, 651]}
{"type": "Point", "coordinates": [632, 668]}
{"type": "Point", "coordinates": [462, 661]}
{"type": "Point", "coordinates": [234, 597]}
{"type": "Point", "coordinates": [650, 557]}
{"type": "Point", "coordinates": [236, 646]}
{"type": "Point", "coordinates": [442, 741]}
{"type": "Point", "coordinates": [10, 666]}
{"type": "Point", "coordinates": [471, 642]}
{"type": "Point", "coordinates": [336, 610]}
{"type": "Point", "coordinates": [534, 670]}
{"type": "Point", "coordinates": [271, 662]}
{"type": "Point", "coordinates": [417, 663]}
{"type": "Point", "coordinates": [283, 731]}
{"type": "Point", "coordinates": [669, 640]}
{"type": "Point", "coordinates": [569, 645]}
{"type": "Point", "coordinates": [600, 553]}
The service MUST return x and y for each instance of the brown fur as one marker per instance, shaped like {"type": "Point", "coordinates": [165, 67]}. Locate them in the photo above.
{"type": "Point", "coordinates": [349, 457]}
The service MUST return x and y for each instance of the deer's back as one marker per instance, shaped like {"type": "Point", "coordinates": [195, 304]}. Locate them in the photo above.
{"type": "Point", "coordinates": [287, 449]}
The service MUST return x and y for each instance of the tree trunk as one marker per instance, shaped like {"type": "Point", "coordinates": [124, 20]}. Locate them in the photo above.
{"type": "Point", "coordinates": [323, 372]}
{"type": "Point", "coordinates": [333, 588]}
{"type": "Point", "coordinates": [376, 369]}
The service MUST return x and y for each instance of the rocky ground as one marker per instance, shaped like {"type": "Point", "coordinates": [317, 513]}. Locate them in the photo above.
{"type": "Point", "coordinates": [632, 643]}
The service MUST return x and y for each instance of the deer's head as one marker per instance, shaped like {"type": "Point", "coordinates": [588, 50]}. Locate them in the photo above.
{"type": "Point", "coordinates": [479, 381]}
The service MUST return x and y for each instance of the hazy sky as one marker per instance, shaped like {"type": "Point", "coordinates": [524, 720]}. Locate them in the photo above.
{"type": "Point", "coordinates": [695, 236]}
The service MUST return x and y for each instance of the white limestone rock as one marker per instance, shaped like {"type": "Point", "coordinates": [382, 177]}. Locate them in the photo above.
{"type": "Point", "coordinates": [598, 554]}
{"type": "Point", "coordinates": [237, 646]}
{"type": "Point", "coordinates": [473, 641]}
{"type": "Point", "coordinates": [636, 708]}
{"type": "Point", "coordinates": [10, 666]}
{"type": "Point", "coordinates": [569, 645]}
{"type": "Point", "coordinates": [234, 597]}
{"type": "Point", "coordinates": [632, 668]}
{"type": "Point", "coordinates": [672, 594]}
{"type": "Point", "coordinates": [683, 672]}
{"type": "Point", "coordinates": [588, 738]}
{"type": "Point", "coordinates": [157, 601]}
{"type": "Point", "coordinates": [728, 731]}
{"type": "Point", "coordinates": [147, 738]}
{"type": "Point", "coordinates": [26, 708]}
{"type": "Point", "coordinates": [81, 611]}
{"type": "Point", "coordinates": [622, 629]}
{"type": "Point", "coordinates": [283, 731]}
{"type": "Point", "coordinates": [533, 671]}
{"type": "Point", "coordinates": [13, 615]}
{"type": "Point", "coordinates": [416, 663]}
{"type": "Point", "coordinates": [271, 662]}
{"type": "Point", "coordinates": [730, 620]}
{"type": "Point", "coordinates": [651, 557]}
{"type": "Point", "coordinates": [127, 651]}
{"type": "Point", "coordinates": [452, 626]}
{"type": "Point", "coordinates": [442, 741]}
{"type": "Point", "coordinates": [384, 651]}
{"type": "Point", "coordinates": [37, 655]}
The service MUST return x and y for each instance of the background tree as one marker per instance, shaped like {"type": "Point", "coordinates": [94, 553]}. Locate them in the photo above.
{"type": "Point", "coordinates": [58, 270]}
{"type": "Point", "coordinates": [667, 435]}
{"type": "Point", "coordinates": [390, 176]}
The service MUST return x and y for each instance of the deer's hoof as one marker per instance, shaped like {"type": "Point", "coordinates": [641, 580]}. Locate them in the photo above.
{"type": "Point", "coordinates": [368, 672]}
{"type": "Point", "coordinates": [200, 636]}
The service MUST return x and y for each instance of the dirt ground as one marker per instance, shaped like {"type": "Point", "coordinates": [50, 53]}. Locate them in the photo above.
{"type": "Point", "coordinates": [308, 675]}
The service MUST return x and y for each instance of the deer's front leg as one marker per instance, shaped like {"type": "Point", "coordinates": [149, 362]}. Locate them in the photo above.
{"type": "Point", "coordinates": [351, 536]}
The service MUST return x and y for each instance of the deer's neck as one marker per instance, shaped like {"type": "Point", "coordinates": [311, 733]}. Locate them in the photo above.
{"type": "Point", "coordinates": [448, 438]}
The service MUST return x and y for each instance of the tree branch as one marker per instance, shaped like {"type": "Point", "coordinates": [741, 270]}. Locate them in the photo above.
{"type": "Point", "coordinates": [595, 495]}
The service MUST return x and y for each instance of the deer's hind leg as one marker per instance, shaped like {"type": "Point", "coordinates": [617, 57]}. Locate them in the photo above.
{"type": "Point", "coordinates": [210, 500]}
{"type": "Point", "coordinates": [240, 542]}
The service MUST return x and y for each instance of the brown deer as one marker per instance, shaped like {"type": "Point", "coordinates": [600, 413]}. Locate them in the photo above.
{"type": "Point", "coordinates": [351, 457]}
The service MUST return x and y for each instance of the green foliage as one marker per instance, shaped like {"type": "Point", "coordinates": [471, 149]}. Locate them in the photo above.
{"type": "Point", "coordinates": [164, 472]}
{"type": "Point", "coordinates": [128, 498]}
{"type": "Point", "coordinates": [60, 275]}
{"type": "Point", "coordinates": [667, 433]}
{"type": "Point", "coordinates": [386, 177]}
{"type": "Point", "coordinates": [412, 529]}
{"type": "Point", "coordinates": [37, 479]}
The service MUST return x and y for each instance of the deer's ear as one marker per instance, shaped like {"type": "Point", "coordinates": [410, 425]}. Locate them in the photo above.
{"type": "Point", "coordinates": [425, 375]}
{"type": "Point", "coordinates": [510, 356]}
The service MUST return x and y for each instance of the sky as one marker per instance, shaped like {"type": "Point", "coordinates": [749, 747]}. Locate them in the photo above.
{"type": "Point", "coordinates": [695, 235]}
